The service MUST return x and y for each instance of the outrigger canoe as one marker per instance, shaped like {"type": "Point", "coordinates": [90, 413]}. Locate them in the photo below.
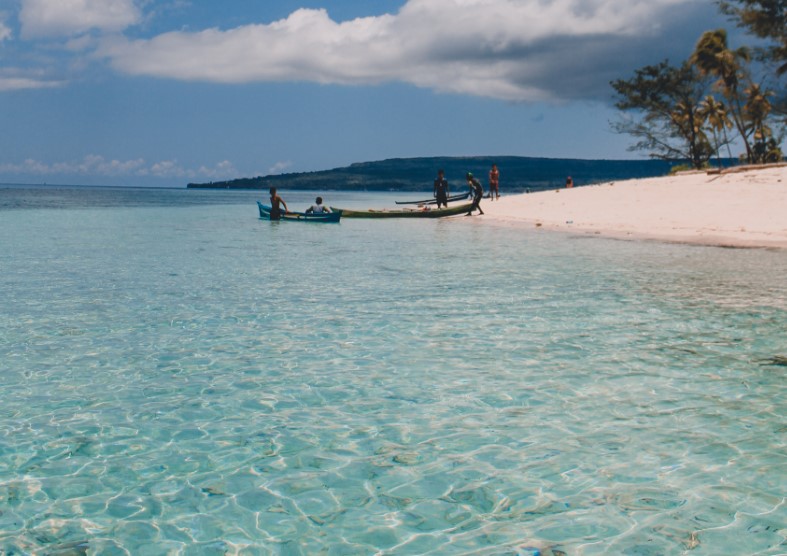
{"type": "Point", "coordinates": [404, 213]}
{"type": "Point", "coordinates": [335, 216]}
{"type": "Point", "coordinates": [460, 197]}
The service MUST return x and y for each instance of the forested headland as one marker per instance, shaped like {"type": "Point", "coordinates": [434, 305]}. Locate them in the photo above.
{"type": "Point", "coordinates": [517, 174]}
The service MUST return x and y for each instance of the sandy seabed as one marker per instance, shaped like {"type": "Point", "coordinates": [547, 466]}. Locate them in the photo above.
{"type": "Point", "coordinates": [738, 207]}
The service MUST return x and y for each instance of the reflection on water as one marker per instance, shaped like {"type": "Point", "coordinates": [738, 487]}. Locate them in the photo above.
{"type": "Point", "coordinates": [200, 381]}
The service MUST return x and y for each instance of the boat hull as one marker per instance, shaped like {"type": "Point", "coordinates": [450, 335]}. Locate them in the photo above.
{"type": "Point", "coordinates": [265, 213]}
{"type": "Point", "coordinates": [411, 213]}
{"type": "Point", "coordinates": [460, 197]}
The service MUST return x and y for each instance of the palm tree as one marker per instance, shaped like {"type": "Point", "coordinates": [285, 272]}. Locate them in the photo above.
{"type": "Point", "coordinates": [712, 57]}
{"type": "Point", "coordinates": [715, 113]}
{"type": "Point", "coordinates": [757, 108]}
{"type": "Point", "coordinates": [687, 118]}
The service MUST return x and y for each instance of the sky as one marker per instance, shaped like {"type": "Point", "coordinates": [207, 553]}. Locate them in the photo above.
{"type": "Point", "coordinates": [167, 92]}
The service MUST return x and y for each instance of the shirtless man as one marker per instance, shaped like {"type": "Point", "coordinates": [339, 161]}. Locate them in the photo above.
{"type": "Point", "coordinates": [276, 203]}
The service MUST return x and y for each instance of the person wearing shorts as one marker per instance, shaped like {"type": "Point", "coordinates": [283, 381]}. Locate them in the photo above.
{"type": "Point", "coordinates": [276, 203]}
{"type": "Point", "coordinates": [478, 192]}
{"type": "Point", "coordinates": [494, 183]}
{"type": "Point", "coordinates": [441, 189]}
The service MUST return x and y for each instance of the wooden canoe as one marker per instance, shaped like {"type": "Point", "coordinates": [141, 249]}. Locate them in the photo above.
{"type": "Point", "coordinates": [432, 201]}
{"type": "Point", "coordinates": [404, 213]}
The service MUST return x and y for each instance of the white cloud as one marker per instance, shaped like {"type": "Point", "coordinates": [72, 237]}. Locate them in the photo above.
{"type": "Point", "coordinates": [89, 165]}
{"type": "Point", "coordinates": [279, 167]}
{"type": "Point", "coordinates": [21, 82]}
{"type": "Point", "coordinates": [62, 18]}
{"type": "Point", "coordinates": [172, 169]}
{"type": "Point", "coordinates": [96, 165]}
{"type": "Point", "coordinates": [5, 30]}
{"type": "Point", "coordinates": [514, 50]}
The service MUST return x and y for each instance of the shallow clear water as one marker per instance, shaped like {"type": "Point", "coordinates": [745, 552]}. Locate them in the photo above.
{"type": "Point", "coordinates": [181, 377]}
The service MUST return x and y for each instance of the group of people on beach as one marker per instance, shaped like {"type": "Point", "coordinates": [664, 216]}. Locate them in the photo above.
{"type": "Point", "coordinates": [442, 191]}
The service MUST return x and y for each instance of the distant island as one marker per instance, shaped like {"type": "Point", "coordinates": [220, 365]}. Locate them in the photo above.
{"type": "Point", "coordinates": [517, 174]}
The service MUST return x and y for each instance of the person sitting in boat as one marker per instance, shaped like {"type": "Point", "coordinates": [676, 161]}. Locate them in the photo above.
{"type": "Point", "coordinates": [441, 189]}
{"type": "Point", "coordinates": [318, 207]}
{"type": "Point", "coordinates": [276, 203]}
{"type": "Point", "coordinates": [478, 193]}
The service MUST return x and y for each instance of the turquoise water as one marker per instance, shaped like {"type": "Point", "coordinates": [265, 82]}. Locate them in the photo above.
{"type": "Point", "coordinates": [180, 377]}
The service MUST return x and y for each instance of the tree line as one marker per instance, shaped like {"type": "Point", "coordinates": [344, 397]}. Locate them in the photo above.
{"type": "Point", "coordinates": [693, 111]}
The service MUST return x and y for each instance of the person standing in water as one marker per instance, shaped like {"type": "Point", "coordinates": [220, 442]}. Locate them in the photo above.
{"type": "Point", "coordinates": [478, 192]}
{"type": "Point", "coordinates": [276, 203]}
{"type": "Point", "coordinates": [441, 189]}
{"type": "Point", "coordinates": [494, 183]}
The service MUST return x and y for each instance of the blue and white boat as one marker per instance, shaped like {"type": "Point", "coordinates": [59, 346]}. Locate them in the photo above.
{"type": "Point", "coordinates": [335, 216]}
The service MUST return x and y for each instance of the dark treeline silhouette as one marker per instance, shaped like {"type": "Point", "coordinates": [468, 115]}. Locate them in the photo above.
{"type": "Point", "coordinates": [517, 174]}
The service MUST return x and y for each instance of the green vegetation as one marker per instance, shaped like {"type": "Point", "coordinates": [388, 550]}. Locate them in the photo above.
{"type": "Point", "coordinates": [686, 112]}
{"type": "Point", "coordinates": [518, 174]}
{"type": "Point", "coordinates": [669, 99]}
{"type": "Point", "coordinates": [766, 19]}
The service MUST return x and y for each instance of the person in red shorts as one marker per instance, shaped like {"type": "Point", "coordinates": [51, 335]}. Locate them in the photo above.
{"type": "Point", "coordinates": [494, 183]}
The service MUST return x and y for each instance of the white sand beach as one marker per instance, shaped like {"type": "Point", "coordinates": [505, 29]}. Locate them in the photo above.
{"type": "Point", "coordinates": [742, 207]}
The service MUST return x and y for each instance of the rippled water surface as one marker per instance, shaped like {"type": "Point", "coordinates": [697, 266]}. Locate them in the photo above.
{"type": "Point", "coordinates": [180, 377]}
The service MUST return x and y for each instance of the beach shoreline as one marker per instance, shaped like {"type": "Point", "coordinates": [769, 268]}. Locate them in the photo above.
{"type": "Point", "coordinates": [744, 207]}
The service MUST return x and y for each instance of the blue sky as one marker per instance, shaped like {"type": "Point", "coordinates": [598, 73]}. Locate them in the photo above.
{"type": "Point", "coordinates": [165, 92]}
